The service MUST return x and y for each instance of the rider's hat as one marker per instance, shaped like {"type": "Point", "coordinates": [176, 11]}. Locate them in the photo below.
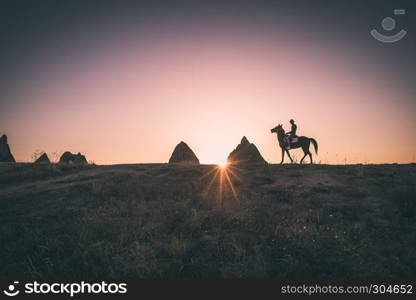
{"type": "Point", "coordinates": [291, 121]}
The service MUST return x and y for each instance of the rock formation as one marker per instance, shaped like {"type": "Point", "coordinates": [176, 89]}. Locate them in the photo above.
{"type": "Point", "coordinates": [245, 153]}
{"type": "Point", "coordinates": [43, 159]}
{"type": "Point", "coordinates": [5, 153]}
{"type": "Point", "coordinates": [183, 154]}
{"type": "Point", "coordinates": [76, 159]}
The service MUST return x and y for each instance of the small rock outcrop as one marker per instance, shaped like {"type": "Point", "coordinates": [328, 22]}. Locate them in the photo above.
{"type": "Point", "coordinates": [5, 153]}
{"type": "Point", "coordinates": [43, 159]}
{"type": "Point", "coordinates": [245, 153]}
{"type": "Point", "coordinates": [183, 154]}
{"type": "Point", "coordinates": [76, 159]}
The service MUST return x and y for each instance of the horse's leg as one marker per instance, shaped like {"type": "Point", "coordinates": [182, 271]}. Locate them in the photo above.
{"type": "Point", "coordinates": [288, 154]}
{"type": "Point", "coordinates": [305, 149]}
{"type": "Point", "coordinates": [283, 155]}
{"type": "Point", "coordinates": [310, 155]}
{"type": "Point", "coordinates": [306, 153]}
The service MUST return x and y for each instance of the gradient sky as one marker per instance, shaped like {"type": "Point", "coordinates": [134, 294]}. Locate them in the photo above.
{"type": "Point", "coordinates": [125, 83]}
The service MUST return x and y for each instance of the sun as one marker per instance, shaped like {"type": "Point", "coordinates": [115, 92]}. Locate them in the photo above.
{"type": "Point", "coordinates": [222, 165]}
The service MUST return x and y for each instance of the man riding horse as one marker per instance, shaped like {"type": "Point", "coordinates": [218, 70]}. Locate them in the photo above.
{"type": "Point", "coordinates": [291, 134]}
{"type": "Point", "coordinates": [286, 142]}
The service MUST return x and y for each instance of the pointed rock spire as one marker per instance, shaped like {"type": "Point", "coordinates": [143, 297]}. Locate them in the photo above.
{"type": "Point", "coordinates": [183, 154]}
{"type": "Point", "coordinates": [245, 153]}
{"type": "Point", "coordinates": [43, 159]}
{"type": "Point", "coordinates": [5, 153]}
{"type": "Point", "coordinates": [244, 141]}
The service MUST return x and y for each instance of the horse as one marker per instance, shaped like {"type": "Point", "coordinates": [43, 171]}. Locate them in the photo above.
{"type": "Point", "coordinates": [303, 142]}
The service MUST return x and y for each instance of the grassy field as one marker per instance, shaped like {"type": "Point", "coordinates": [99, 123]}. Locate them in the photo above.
{"type": "Point", "coordinates": [163, 221]}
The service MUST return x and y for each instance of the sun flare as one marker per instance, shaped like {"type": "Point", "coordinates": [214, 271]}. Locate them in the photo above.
{"type": "Point", "coordinates": [222, 165]}
{"type": "Point", "coordinates": [221, 180]}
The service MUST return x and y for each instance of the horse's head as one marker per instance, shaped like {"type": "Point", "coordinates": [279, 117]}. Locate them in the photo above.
{"type": "Point", "coordinates": [277, 129]}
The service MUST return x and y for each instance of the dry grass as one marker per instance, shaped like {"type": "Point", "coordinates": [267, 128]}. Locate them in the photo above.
{"type": "Point", "coordinates": [161, 221]}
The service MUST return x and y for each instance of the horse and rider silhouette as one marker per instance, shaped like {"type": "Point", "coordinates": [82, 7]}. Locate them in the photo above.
{"type": "Point", "coordinates": [290, 140]}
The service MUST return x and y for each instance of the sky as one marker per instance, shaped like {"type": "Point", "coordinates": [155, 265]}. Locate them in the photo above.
{"type": "Point", "coordinates": [125, 83]}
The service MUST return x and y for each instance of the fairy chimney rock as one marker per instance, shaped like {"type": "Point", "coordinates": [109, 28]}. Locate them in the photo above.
{"type": "Point", "coordinates": [5, 153]}
{"type": "Point", "coordinates": [245, 153]}
{"type": "Point", "coordinates": [183, 154]}
{"type": "Point", "coordinates": [76, 159]}
{"type": "Point", "coordinates": [43, 159]}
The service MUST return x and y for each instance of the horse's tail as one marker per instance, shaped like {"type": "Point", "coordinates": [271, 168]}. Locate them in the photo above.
{"type": "Point", "coordinates": [315, 144]}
